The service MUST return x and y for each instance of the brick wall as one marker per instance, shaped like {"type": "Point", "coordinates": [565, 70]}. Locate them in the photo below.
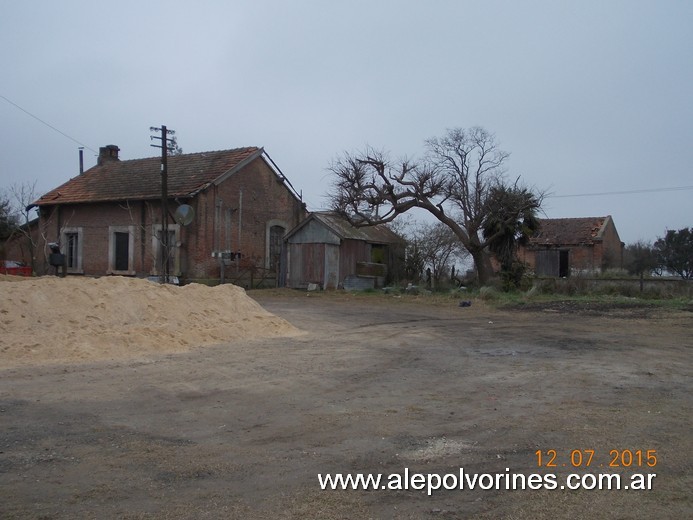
{"type": "Point", "coordinates": [94, 223]}
{"type": "Point", "coordinates": [611, 247]}
{"type": "Point", "coordinates": [587, 257]}
{"type": "Point", "coordinates": [265, 201]}
{"type": "Point", "coordinates": [257, 198]}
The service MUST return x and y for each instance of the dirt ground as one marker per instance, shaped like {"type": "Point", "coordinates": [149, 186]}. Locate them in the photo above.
{"type": "Point", "coordinates": [375, 384]}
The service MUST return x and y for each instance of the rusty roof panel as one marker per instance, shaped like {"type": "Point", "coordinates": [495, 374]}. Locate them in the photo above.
{"type": "Point", "coordinates": [380, 234]}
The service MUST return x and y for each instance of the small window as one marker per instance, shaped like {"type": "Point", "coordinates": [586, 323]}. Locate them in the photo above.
{"type": "Point", "coordinates": [378, 253]}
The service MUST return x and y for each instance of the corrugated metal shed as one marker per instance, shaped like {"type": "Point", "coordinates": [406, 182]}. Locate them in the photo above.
{"type": "Point", "coordinates": [313, 231]}
{"type": "Point", "coordinates": [342, 229]}
{"type": "Point", "coordinates": [326, 249]}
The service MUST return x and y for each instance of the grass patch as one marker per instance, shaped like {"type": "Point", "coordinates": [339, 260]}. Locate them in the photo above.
{"type": "Point", "coordinates": [533, 299]}
{"type": "Point", "coordinates": [589, 304]}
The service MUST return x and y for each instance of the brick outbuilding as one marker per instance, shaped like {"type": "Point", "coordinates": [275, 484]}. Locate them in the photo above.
{"type": "Point", "coordinates": [562, 246]}
{"type": "Point", "coordinates": [108, 220]}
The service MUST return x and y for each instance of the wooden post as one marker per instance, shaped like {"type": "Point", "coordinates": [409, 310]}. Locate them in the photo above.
{"type": "Point", "coordinates": [164, 206]}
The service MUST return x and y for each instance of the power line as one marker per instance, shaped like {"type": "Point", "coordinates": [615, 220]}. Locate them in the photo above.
{"type": "Point", "coordinates": [47, 124]}
{"type": "Point", "coordinates": [627, 192]}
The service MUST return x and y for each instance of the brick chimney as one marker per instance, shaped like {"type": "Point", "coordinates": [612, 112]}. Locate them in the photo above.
{"type": "Point", "coordinates": [107, 153]}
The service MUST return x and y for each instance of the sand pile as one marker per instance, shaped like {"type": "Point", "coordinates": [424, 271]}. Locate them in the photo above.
{"type": "Point", "coordinates": [72, 320]}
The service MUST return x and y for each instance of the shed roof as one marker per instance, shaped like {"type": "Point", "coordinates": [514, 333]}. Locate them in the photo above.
{"type": "Point", "coordinates": [569, 231]}
{"type": "Point", "coordinates": [379, 234]}
{"type": "Point", "coordinates": [140, 179]}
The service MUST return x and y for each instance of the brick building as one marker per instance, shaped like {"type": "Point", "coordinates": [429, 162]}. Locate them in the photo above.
{"type": "Point", "coordinates": [562, 246]}
{"type": "Point", "coordinates": [108, 220]}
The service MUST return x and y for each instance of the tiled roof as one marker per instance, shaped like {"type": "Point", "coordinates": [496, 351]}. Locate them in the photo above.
{"type": "Point", "coordinates": [140, 179]}
{"type": "Point", "coordinates": [569, 231]}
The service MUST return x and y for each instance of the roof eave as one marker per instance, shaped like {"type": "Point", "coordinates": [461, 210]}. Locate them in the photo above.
{"type": "Point", "coordinates": [280, 175]}
{"type": "Point", "coordinates": [113, 200]}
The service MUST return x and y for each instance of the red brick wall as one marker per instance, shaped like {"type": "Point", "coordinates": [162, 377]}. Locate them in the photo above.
{"type": "Point", "coordinates": [93, 221]}
{"type": "Point", "coordinates": [265, 200]}
{"type": "Point", "coordinates": [612, 248]}
{"type": "Point", "coordinates": [257, 197]}
{"type": "Point", "coordinates": [605, 252]}
{"type": "Point", "coordinates": [581, 257]}
{"type": "Point", "coordinates": [585, 257]}
{"type": "Point", "coordinates": [588, 257]}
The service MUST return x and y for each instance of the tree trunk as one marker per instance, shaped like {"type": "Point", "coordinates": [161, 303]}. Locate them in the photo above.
{"type": "Point", "coordinates": [482, 264]}
{"type": "Point", "coordinates": [32, 253]}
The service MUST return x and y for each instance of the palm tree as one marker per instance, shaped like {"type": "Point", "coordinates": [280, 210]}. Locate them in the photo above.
{"type": "Point", "coordinates": [511, 218]}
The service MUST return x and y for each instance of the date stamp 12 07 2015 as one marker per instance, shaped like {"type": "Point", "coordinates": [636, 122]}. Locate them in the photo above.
{"type": "Point", "coordinates": [585, 458]}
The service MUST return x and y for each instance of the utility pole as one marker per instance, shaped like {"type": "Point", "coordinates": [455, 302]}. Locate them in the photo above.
{"type": "Point", "coordinates": [166, 146]}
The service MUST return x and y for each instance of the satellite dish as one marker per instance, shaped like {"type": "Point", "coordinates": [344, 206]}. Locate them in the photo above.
{"type": "Point", "coordinates": [184, 214]}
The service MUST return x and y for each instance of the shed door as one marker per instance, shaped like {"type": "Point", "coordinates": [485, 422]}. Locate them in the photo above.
{"type": "Point", "coordinates": [331, 266]}
{"type": "Point", "coordinates": [547, 262]}
{"type": "Point", "coordinates": [552, 262]}
{"type": "Point", "coordinates": [307, 264]}
{"type": "Point", "coordinates": [563, 264]}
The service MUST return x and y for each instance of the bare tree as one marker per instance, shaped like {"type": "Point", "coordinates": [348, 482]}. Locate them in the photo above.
{"type": "Point", "coordinates": [436, 246]}
{"type": "Point", "coordinates": [21, 195]}
{"type": "Point", "coordinates": [452, 182]}
{"type": "Point", "coordinates": [8, 220]}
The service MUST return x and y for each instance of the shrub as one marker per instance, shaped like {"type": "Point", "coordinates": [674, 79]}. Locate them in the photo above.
{"type": "Point", "coordinates": [488, 293]}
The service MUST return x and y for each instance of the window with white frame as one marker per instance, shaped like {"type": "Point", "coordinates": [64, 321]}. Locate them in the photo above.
{"type": "Point", "coordinates": [71, 245]}
{"type": "Point", "coordinates": [121, 250]}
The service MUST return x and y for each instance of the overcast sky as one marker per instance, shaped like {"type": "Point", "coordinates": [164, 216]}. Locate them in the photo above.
{"type": "Point", "coordinates": [589, 96]}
